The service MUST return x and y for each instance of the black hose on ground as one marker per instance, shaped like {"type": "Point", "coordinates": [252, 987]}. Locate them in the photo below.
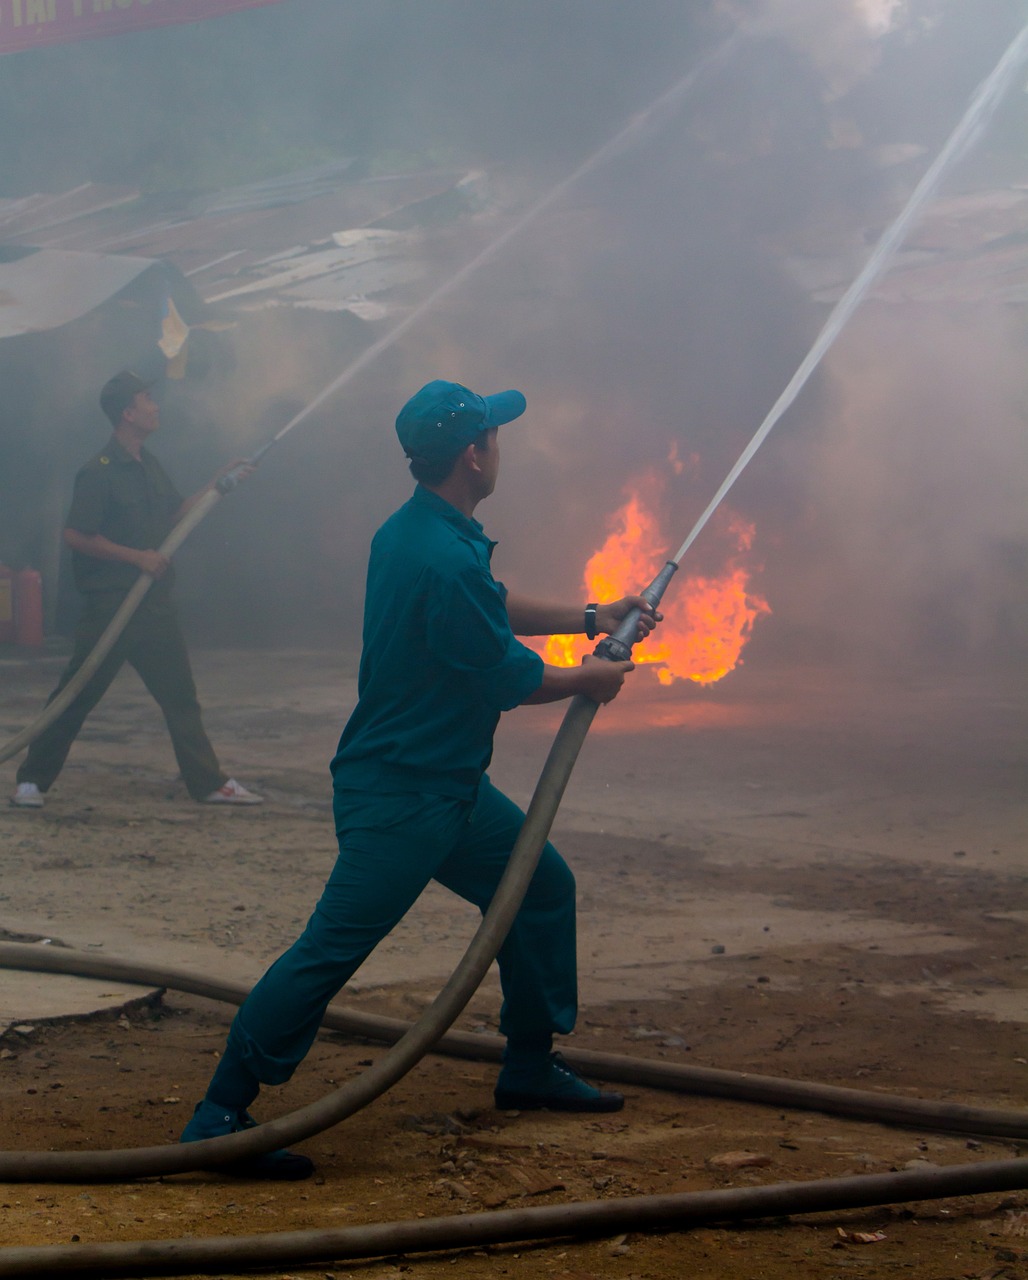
{"type": "Point", "coordinates": [178, 1256]}
{"type": "Point", "coordinates": [596, 1218]}
{"type": "Point", "coordinates": [590, 1218]}
{"type": "Point", "coordinates": [739, 1086]}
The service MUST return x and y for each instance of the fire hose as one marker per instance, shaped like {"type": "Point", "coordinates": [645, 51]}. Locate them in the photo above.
{"type": "Point", "coordinates": [419, 1039]}
{"type": "Point", "coordinates": [216, 1255]}
{"type": "Point", "coordinates": [184, 1255]}
{"type": "Point", "coordinates": [738, 1086]}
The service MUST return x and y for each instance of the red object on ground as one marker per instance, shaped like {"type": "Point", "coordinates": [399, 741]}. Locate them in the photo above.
{"type": "Point", "coordinates": [28, 608]}
{"type": "Point", "coordinates": [6, 603]}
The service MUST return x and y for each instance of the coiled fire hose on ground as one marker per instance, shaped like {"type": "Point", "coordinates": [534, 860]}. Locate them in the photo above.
{"type": "Point", "coordinates": [151, 1257]}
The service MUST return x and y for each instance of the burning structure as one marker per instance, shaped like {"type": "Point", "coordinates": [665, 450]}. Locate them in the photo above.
{"type": "Point", "coordinates": [664, 299]}
{"type": "Point", "coordinates": [707, 618]}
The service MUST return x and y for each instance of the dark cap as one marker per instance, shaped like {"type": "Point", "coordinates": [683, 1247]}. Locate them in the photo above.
{"type": "Point", "coordinates": [119, 392]}
{"type": "Point", "coordinates": [443, 418]}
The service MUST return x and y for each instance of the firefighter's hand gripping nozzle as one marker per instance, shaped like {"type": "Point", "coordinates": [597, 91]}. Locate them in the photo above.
{"type": "Point", "coordinates": [617, 647]}
{"type": "Point", "coordinates": [226, 483]}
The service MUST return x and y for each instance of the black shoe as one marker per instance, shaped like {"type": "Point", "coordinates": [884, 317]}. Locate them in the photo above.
{"type": "Point", "coordinates": [210, 1120]}
{"type": "Point", "coordinates": [550, 1083]}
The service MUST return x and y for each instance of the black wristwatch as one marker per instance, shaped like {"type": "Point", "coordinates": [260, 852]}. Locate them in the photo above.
{"type": "Point", "coordinates": [590, 621]}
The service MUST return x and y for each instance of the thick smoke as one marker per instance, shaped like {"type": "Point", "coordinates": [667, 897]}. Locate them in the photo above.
{"type": "Point", "coordinates": [917, 533]}
{"type": "Point", "coordinates": [658, 304]}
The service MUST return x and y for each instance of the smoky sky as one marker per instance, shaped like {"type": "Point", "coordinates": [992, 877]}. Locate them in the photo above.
{"type": "Point", "coordinates": [650, 307]}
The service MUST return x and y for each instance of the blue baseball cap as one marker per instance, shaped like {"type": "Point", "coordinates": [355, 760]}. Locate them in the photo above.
{"type": "Point", "coordinates": [443, 418]}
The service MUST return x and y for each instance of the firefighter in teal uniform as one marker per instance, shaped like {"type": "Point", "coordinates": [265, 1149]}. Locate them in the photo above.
{"type": "Point", "coordinates": [412, 800]}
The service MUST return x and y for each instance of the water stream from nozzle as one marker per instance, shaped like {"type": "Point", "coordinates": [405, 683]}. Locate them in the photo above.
{"type": "Point", "coordinates": [980, 111]}
{"type": "Point", "coordinates": [660, 108]}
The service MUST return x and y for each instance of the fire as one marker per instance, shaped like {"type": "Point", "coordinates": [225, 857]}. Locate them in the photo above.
{"type": "Point", "coordinates": [707, 620]}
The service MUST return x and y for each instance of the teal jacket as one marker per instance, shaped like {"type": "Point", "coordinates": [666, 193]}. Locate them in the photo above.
{"type": "Point", "coordinates": [439, 663]}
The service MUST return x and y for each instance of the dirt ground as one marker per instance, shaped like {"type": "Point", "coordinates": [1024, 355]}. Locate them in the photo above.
{"type": "Point", "coordinates": [806, 877]}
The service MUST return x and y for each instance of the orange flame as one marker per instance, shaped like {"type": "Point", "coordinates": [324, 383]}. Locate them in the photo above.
{"type": "Point", "coordinates": [707, 620]}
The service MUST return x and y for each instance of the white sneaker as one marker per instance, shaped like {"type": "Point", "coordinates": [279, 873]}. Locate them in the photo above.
{"type": "Point", "coordinates": [27, 796]}
{"type": "Point", "coordinates": [230, 792]}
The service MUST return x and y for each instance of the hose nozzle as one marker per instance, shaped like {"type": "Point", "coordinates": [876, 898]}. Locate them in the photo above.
{"type": "Point", "coordinates": [617, 647]}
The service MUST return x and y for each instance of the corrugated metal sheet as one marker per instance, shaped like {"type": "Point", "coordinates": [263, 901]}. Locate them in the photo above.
{"type": "Point", "coordinates": [39, 213]}
{"type": "Point", "coordinates": [313, 239]}
{"type": "Point", "coordinates": [970, 248]}
{"type": "Point", "coordinates": [51, 288]}
{"type": "Point", "coordinates": [326, 240]}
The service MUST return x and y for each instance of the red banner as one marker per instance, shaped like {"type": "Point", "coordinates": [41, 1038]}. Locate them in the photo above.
{"type": "Point", "coordinates": [29, 24]}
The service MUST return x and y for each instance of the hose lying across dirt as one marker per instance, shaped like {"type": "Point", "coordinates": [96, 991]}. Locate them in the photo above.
{"type": "Point", "coordinates": [215, 1255]}
{"type": "Point", "coordinates": [412, 1043]}
{"type": "Point", "coordinates": [220, 1254]}
{"type": "Point", "coordinates": [740, 1086]}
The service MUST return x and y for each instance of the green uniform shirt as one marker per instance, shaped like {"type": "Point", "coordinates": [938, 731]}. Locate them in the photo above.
{"type": "Point", "coordinates": [128, 502]}
{"type": "Point", "coordinates": [439, 663]}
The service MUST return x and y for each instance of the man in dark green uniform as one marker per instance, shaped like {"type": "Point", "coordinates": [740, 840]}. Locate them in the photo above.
{"type": "Point", "coordinates": [412, 800]}
{"type": "Point", "coordinates": [123, 508]}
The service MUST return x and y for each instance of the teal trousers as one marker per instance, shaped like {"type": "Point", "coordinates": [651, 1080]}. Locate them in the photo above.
{"type": "Point", "coordinates": [390, 847]}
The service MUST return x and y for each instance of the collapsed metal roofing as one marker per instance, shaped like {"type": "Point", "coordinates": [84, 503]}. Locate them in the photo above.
{"type": "Point", "coordinates": [52, 287]}
{"type": "Point", "coordinates": [327, 240]}
{"type": "Point", "coordinates": [318, 239]}
{"type": "Point", "coordinates": [968, 248]}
